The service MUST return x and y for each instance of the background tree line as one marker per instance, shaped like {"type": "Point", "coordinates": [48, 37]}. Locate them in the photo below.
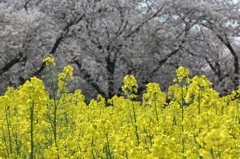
{"type": "Point", "coordinates": [104, 40]}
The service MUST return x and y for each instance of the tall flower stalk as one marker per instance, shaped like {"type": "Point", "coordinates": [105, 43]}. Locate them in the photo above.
{"type": "Point", "coordinates": [62, 89]}
{"type": "Point", "coordinates": [129, 89]}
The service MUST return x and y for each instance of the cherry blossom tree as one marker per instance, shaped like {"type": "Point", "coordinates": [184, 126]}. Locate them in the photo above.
{"type": "Point", "coordinates": [104, 40]}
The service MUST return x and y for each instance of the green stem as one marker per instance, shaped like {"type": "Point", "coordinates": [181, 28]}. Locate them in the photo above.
{"type": "Point", "coordinates": [156, 112]}
{"type": "Point", "coordinates": [31, 131]}
{"type": "Point", "coordinates": [5, 141]}
{"type": "Point", "coordinates": [52, 83]}
{"type": "Point", "coordinates": [9, 133]}
{"type": "Point", "coordinates": [182, 103]}
{"type": "Point", "coordinates": [199, 102]}
{"type": "Point", "coordinates": [135, 123]}
{"type": "Point", "coordinates": [55, 107]}
{"type": "Point", "coordinates": [183, 144]}
{"type": "Point", "coordinates": [55, 124]}
{"type": "Point", "coordinates": [134, 112]}
{"type": "Point", "coordinates": [15, 134]}
{"type": "Point", "coordinates": [222, 110]}
{"type": "Point", "coordinates": [108, 151]}
{"type": "Point", "coordinates": [137, 135]}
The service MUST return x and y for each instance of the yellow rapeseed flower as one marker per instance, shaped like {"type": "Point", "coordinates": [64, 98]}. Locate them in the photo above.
{"type": "Point", "coordinates": [130, 86]}
{"type": "Point", "coordinates": [48, 60]}
{"type": "Point", "coordinates": [182, 73]}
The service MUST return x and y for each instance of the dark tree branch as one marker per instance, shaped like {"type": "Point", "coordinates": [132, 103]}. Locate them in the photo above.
{"type": "Point", "coordinates": [65, 31]}
{"type": "Point", "coordinates": [56, 44]}
{"type": "Point", "coordinates": [137, 29]}
{"type": "Point", "coordinates": [25, 5]}
{"type": "Point", "coordinates": [164, 60]}
{"type": "Point", "coordinates": [11, 63]}
{"type": "Point", "coordinates": [235, 59]}
{"type": "Point", "coordinates": [58, 41]}
{"type": "Point", "coordinates": [89, 79]}
{"type": "Point", "coordinates": [227, 43]}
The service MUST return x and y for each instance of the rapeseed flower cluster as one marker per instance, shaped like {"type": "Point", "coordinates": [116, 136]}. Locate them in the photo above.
{"type": "Point", "coordinates": [154, 96]}
{"type": "Point", "coordinates": [130, 86]}
{"type": "Point", "coordinates": [48, 60]}
{"type": "Point", "coordinates": [197, 123]}
{"type": "Point", "coordinates": [63, 78]}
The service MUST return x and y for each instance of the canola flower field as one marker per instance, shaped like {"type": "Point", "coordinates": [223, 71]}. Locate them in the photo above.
{"type": "Point", "coordinates": [197, 123]}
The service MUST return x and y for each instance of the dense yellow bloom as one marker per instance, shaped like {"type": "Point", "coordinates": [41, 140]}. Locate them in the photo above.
{"type": "Point", "coordinates": [197, 123]}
